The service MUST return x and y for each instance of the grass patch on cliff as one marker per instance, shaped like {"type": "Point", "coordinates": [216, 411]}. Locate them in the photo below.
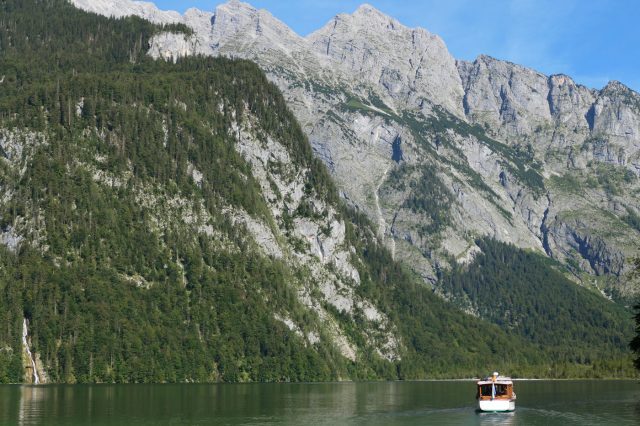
{"type": "Point", "coordinates": [611, 178]}
{"type": "Point", "coordinates": [518, 162]}
{"type": "Point", "coordinates": [567, 183]}
{"type": "Point", "coordinates": [431, 135]}
{"type": "Point", "coordinates": [632, 219]}
{"type": "Point", "coordinates": [355, 104]}
{"type": "Point", "coordinates": [427, 196]}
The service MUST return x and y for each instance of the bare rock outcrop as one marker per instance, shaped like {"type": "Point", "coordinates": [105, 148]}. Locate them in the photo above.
{"type": "Point", "coordinates": [517, 151]}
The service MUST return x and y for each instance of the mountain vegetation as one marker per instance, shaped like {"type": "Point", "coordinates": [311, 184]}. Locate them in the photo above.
{"type": "Point", "coordinates": [527, 294]}
{"type": "Point", "coordinates": [121, 180]}
{"type": "Point", "coordinates": [635, 342]}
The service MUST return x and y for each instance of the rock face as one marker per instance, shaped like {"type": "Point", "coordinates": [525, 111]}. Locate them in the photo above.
{"type": "Point", "coordinates": [122, 8]}
{"type": "Point", "coordinates": [587, 144]}
{"type": "Point", "coordinates": [318, 241]}
{"type": "Point", "coordinates": [405, 63]}
{"type": "Point", "coordinates": [487, 147]}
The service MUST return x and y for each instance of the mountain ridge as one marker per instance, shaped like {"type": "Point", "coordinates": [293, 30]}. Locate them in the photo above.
{"type": "Point", "coordinates": [547, 125]}
{"type": "Point", "coordinates": [148, 10]}
{"type": "Point", "coordinates": [169, 222]}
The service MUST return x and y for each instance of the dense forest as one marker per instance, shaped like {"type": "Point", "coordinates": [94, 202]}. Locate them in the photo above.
{"type": "Point", "coordinates": [117, 289]}
{"type": "Point", "coordinates": [635, 342]}
{"type": "Point", "coordinates": [85, 83]}
{"type": "Point", "coordinates": [528, 295]}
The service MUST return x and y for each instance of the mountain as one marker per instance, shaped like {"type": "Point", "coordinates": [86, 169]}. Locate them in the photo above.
{"type": "Point", "coordinates": [533, 160]}
{"type": "Point", "coordinates": [168, 221]}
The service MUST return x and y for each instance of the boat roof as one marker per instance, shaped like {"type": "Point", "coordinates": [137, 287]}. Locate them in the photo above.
{"type": "Point", "coordinates": [501, 380]}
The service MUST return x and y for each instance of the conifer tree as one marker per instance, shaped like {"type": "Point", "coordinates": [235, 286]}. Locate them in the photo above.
{"type": "Point", "coordinates": [635, 343]}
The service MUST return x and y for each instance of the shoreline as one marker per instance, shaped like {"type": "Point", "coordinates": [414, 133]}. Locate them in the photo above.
{"type": "Point", "coordinates": [43, 385]}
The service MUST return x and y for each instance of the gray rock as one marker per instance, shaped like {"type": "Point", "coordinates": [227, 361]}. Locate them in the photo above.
{"type": "Point", "coordinates": [544, 151]}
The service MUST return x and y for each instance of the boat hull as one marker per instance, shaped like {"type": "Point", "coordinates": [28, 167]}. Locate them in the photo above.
{"type": "Point", "coordinates": [496, 405]}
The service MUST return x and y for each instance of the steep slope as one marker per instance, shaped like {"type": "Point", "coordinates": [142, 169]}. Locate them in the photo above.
{"type": "Point", "coordinates": [380, 100]}
{"type": "Point", "coordinates": [442, 154]}
{"type": "Point", "coordinates": [407, 63]}
{"type": "Point", "coordinates": [588, 143]}
{"type": "Point", "coordinates": [520, 292]}
{"type": "Point", "coordinates": [168, 222]}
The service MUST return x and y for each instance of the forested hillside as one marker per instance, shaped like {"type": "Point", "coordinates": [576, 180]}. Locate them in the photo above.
{"type": "Point", "coordinates": [142, 242]}
{"type": "Point", "coordinates": [538, 161]}
{"type": "Point", "coordinates": [101, 131]}
{"type": "Point", "coordinates": [528, 295]}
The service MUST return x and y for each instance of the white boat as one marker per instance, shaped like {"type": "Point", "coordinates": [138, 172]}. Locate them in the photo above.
{"type": "Point", "coordinates": [495, 393]}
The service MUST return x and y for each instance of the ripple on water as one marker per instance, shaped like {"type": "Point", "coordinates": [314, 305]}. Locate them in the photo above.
{"type": "Point", "coordinates": [371, 404]}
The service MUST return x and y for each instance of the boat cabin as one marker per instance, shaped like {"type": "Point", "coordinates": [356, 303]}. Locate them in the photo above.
{"type": "Point", "coordinates": [495, 387]}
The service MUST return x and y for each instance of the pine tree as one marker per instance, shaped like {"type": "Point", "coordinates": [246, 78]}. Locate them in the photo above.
{"type": "Point", "coordinates": [635, 343]}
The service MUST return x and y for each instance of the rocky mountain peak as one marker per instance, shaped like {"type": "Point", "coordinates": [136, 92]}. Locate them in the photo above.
{"type": "Point", "coordinates": [366, 8]}
{"type": "Point", "coordinates": [122, 8]}
{"type": "Point", "coordinates": [616, 88]}
{"type": "Point", "coordinates": [368, 20]}
{"type": "Point", "coordinates": [342, 80]}
{"type": "Point", "coordinates": [195, 13]}
{"type": "Point", "coordinates": [236, 20]}
{"type": "Point", "coordinates": [616, 85]}
{"type": "Point", "coordinates": [369, 16]}
{"type": "Point", "coordinates": [237, 7]}
{"type": "Point", "coordinates": [561, 80]}
{"type": "Point", "coordinates": [374, 47]}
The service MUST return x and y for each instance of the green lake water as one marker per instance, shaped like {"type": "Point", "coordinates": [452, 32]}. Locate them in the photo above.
{"type": "Point", "coordinates": [546, 403]}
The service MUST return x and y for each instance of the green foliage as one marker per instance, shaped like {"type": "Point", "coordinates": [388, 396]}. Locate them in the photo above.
{"type": "Point", "coordinates": [373, 106]}
{"type": "Point", "coordinates": [200, 312]}
{"type": "Point", "coordinates": [11, 370]}
{"type": "Point", "coordinates": [632, 219]}
{"type": "Point", "coordinates": [568, 183]}
{"type": "Point", "coordinates": [634, 345]}
{"type": "Point", "coordinates": [111, 296]}
{"type": "Point", "coordinates": [440, 340]}
{"type": "Point", "coordinates": [522, 292]}
{"type": "Point", "coordinates": [427, 196]}
{"type": "Point", "coordinates": [210, 323]}
{"type": "Point", "coordinates": [613, 179]}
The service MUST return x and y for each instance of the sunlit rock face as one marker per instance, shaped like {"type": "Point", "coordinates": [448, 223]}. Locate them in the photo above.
{"type": "Point", "coordinates": [489, 148]}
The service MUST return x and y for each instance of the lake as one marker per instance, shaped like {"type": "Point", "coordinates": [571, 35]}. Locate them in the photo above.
{"type": "Point", "coordinates": [578, 402]}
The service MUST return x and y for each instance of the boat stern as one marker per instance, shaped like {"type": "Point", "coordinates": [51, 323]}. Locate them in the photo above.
{"type": "Point", "coordinates": [496, 405]}
{"type": "Point", "coordinates": [495, 393]}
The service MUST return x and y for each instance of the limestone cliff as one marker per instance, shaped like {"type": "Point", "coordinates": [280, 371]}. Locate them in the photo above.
{"type": "Point", "coordinates": [535, 160]}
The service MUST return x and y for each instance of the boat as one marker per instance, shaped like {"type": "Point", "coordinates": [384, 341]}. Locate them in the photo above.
{"type": "Point", "coordinates": [495, 394]}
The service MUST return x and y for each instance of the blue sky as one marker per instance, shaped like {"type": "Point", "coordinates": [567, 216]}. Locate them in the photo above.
{"type": "Point", "coordinates": [593, 41]}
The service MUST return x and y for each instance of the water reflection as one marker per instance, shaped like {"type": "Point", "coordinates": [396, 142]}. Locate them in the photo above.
{"type": "Point", "coordinates": [31, 401]}
{"type": "Point", "coordinates": [408, 403]}
{"type": "Point", "coordinates": [492, 419]}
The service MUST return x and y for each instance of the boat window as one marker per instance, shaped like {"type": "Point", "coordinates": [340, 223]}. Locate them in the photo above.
{"type": "Point", "coordinates": [485, 390]}
{"type": "Point", "coordinates": [501, 390]}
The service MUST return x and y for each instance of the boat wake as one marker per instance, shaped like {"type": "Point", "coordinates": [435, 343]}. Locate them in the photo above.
{"type": "Point", "coordinates": [564, 417]}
